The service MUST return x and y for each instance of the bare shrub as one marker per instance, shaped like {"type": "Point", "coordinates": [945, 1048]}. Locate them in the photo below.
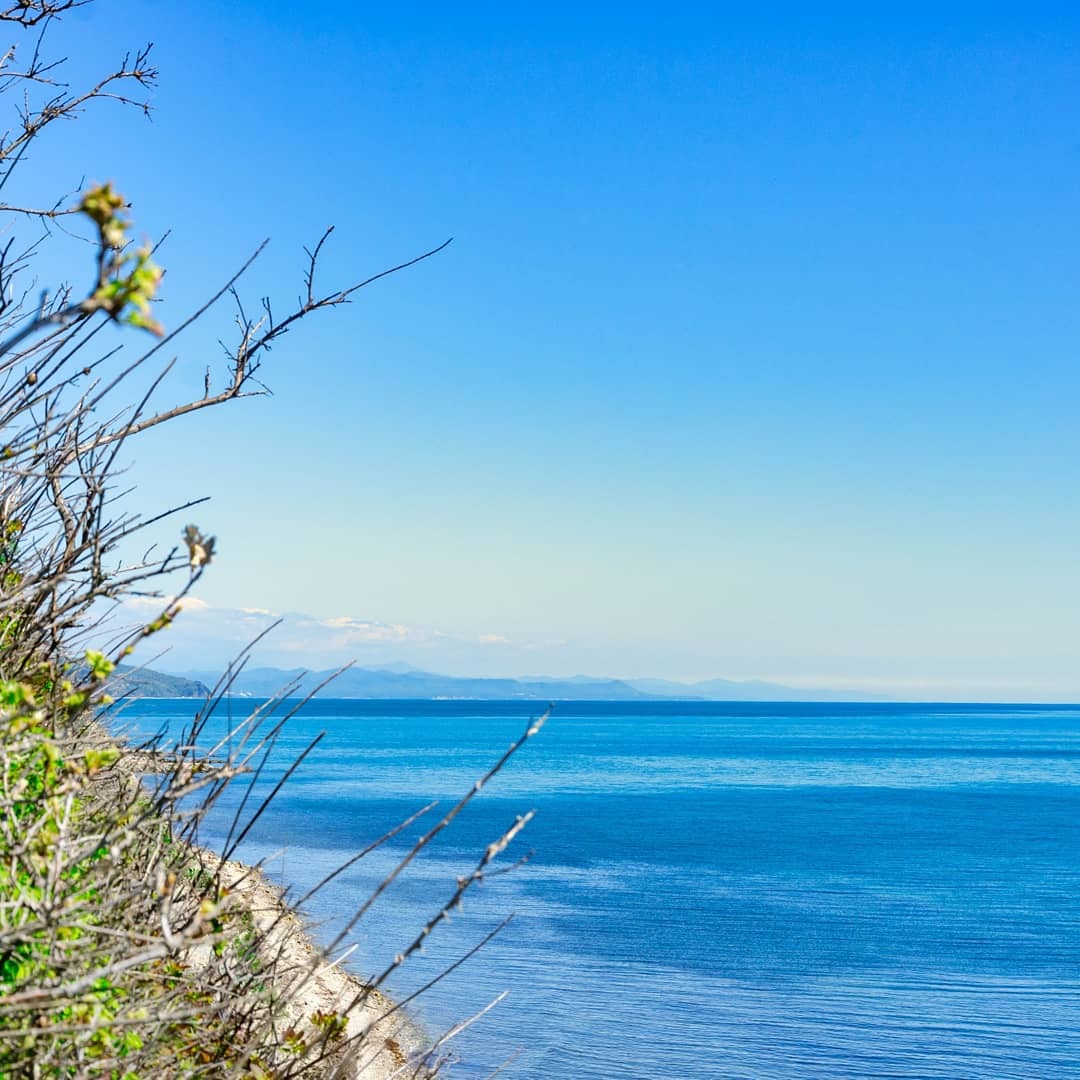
{"type": "Point", "coordinates": [125, 949]}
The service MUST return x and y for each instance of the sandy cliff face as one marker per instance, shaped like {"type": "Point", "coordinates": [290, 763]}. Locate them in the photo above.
{"type": "Point", "coordinates": [381, 1041]}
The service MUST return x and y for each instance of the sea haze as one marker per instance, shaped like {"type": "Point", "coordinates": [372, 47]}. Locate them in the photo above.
{"type": "Point", "coordinates": [717, 890]}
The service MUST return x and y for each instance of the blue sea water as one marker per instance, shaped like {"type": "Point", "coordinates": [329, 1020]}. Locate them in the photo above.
{"type": "Point", "coordinates": [716, 890]}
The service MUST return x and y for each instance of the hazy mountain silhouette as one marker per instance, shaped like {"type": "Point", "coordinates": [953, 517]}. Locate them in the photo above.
{"type": "Point", "coordinates": [400, 681]}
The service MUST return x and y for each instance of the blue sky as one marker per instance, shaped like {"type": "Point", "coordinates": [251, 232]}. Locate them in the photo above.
{"type": "Point", "coordinates": [754, 354]}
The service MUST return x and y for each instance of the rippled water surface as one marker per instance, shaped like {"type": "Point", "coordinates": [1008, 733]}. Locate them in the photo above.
{"type": "Point", "coordinates": [717, 890]}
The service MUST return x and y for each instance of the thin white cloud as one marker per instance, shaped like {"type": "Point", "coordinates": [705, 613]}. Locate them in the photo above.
{"type": "Point", "coordinates": [206, 637]}
{"type": "Point", "coordinates": [367, 630]}
{"type": "Point", "coordinates": [159, 603]}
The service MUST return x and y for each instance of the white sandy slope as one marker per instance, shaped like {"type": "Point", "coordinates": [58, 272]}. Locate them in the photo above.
{"type": "Point", "coordinates": [392, 1046]}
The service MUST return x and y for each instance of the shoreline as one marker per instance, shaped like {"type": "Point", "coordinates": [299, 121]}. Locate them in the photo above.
{"type": "Point", "coordinates": [390, 1043]}
{"type": "Point", "coordinates": [387, 1044]}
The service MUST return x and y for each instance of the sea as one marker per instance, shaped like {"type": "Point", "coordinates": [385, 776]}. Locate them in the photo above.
{"type": "Point", "coordinates": [712, 890]}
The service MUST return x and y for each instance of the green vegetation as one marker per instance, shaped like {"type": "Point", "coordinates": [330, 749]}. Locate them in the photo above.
{"type": "Point", "coordinates": [125, 951]}
{"type": "Point", "coordinates": [96, 904]}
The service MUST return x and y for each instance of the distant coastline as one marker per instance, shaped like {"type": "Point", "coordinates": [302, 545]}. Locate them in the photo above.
{"type": "Point", "coordinates": [412, 684]}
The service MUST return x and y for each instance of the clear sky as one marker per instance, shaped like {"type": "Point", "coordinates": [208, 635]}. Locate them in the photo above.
{"type": "Point", "coordinates": [754, 355]}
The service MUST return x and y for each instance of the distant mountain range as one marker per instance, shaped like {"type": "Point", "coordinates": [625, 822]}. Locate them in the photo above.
{"type": "Point", "coordinates": [399, 681]}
